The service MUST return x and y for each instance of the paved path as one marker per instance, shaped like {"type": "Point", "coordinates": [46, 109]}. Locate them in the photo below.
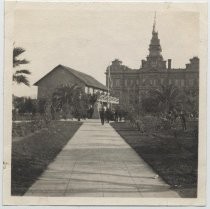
{"type": "Point", "coordinates": [97, 162]}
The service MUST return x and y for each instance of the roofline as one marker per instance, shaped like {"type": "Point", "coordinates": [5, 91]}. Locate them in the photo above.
{"type": "Point", "coordinates": [35, 84]}
{"type": "Point", "coordinates": [81, 78]}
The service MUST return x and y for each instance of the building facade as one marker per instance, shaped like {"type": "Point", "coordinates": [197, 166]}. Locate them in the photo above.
{"type": "Point", "coordinates": [65, 76]}
{"type": "Point", "coordinates": [130, 84]}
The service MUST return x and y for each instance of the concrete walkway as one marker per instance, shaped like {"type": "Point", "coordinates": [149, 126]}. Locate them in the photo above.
{"type": "Point", "coordinates": [97, 162]}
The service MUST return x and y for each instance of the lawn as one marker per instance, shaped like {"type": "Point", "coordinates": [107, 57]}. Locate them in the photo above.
{"type": "Point", "coordinates": [31, 155]}
{"type": "Point", "coordinates": [174, 159]}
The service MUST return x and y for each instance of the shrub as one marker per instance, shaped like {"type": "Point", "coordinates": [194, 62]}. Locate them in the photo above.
{"type": "Point", "coordinates": [150, 105]}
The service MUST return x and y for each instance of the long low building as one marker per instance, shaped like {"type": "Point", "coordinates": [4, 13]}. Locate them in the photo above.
{"type": "Point", "coordinates": [62, 76]}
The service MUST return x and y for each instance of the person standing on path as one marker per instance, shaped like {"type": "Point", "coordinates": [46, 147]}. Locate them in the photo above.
{"type": "Point", "coordinates": [116, 115]}
{"type": "Point", "coordinates": [182, 116]}
{"type": "Point", "coordinates": [108, 114]}
{"type": "Point", "coordinates": [102, 115]}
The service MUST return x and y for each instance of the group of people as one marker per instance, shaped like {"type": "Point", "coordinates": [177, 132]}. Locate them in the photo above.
{"type": "Point", "coordinates": [107, 114]}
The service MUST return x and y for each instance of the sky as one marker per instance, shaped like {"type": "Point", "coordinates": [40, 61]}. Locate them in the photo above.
{"type": "Point", "coordinates": [88, 37]}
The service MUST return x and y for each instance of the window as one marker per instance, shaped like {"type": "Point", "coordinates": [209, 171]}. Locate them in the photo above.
{"type": "Point", "coordinates": [155, 82]}
{"type": "Point", "coordinates": [131, 97]}
{"type": "Point", "coordinates": [126, 82]}
{"type": "Point", "coordinates": [137, 82]}
{"type": "Point", "coordinates": [182, 82]}
{"type": "Point", "coordinates": [176, 82]}
{"type": "Point", "coordinates": [86, 89]}
{"type": "Point", "coordinates": [147, 82]}
{"type": "Point", "coordinates": [117, 82]}
{"type": "Point", "coordinates": [117, 94]}
{"type": "Point", "coordinates": [90, 90]}
{"type": "Point", "coordinates": [191, 82]}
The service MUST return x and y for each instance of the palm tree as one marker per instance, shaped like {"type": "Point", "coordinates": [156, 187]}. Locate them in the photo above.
{"type": "Point", "coordinates": [64, 98]}
{"type": "Point", "coordinates": [63, 95]}
{"type": "Point", "coordinates": [166, 96]}
{"type": "Point", "coordinates": [92, 98]}
{"type": "Point", "coordinates": [20, 75]}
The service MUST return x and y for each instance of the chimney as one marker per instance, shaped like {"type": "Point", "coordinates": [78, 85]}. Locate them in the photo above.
{"type": "Point", "coordinates": [169, 64]}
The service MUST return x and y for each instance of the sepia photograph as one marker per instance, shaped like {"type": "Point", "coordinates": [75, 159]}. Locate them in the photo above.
{"type": "Point", "coordinates": [105, 103]}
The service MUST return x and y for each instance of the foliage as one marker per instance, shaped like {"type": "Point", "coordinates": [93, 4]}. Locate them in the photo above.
{"type": "Point", "coordinates": [19, 76]}
{"type": "Point", "coordinates": [41, 104]}
{"type": "Point", "coordinates": [174, 159]}
{"type": "Point", "coordinates": [167, 105]}
{"type": "Point", "coordinates": [189, 100]}
{"type": "Point", "coordinates": [72, 100]}
{"type": "Point", "coordinates": [24, 104]}
{"type": "Point", "coordinates": [150, 104]}
{"type": "Point", "coordinates": [166, 95]}
{"type": "Point", "coordinates": [63, 99]}
{"type": "Point", "coordinates": [37, 111]}
{"type": "Point", "coordinates": [92, 98]}
{"type": "Point", "coordinates": [16, 52]}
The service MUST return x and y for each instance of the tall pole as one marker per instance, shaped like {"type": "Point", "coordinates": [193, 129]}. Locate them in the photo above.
{"type": "Point", "coordinates": [108, 85]}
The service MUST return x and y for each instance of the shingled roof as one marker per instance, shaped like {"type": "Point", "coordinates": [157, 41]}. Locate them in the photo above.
{"type": "Point", "coordinates": [87, 79]}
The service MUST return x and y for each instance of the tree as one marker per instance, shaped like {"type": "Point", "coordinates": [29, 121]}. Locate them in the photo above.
{"type": "Point", "coordinates": [150, 104]}
{"type": "Point", "coordinates": [92, 98]}
{"type": "Point", "coordinates": [72, 99]}
{"type": "Point", "coordinates": [64, 99]}
{"type": "Point", "coordinates": [166, 95]}
{"type": "Point", "coordinates": [24, 104]}
{"type": "Point", "coordinates": [19, 76]}
{"type": "Point", "coordinates": [189, 99]}
{"type": "Point", "coordinates": [63, 95]}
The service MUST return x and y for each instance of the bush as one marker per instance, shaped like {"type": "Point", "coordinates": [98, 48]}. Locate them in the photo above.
{"type": "Point", "coordinates": [151, 123]}
{"type": "Point", "coordinates": [24, 104]}
{"type": "Point", "coordinates": [150, 105]}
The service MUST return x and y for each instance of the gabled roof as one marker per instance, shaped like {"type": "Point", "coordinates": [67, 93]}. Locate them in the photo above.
{"type": "Point", "coordinates": [87, 79]}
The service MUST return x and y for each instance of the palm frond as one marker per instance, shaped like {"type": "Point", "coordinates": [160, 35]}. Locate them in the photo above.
{"type": "Point", "coordinates": [19, 62]}
{"type": "Point", "coordinates": [21, 79]}
{"type": "Point", "coordinates": [17, 51]}
{"type": "Point", "coordinates": [23, 72]}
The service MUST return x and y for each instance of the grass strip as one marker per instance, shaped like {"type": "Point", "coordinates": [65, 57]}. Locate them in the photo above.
{"type": "Point", "coordinates": [32, 155]}
{"type": "Point", "coordinates": [174, 159]}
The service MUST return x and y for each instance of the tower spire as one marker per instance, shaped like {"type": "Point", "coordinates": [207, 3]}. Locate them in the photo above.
{"type": "Point", "coordinates": [154, 23]}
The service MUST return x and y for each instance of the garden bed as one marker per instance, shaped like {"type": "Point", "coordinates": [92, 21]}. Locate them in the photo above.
{"type": "Point", "coordinates": [32, 155]}
{"type": "Point", "coordinates": [174, 159]}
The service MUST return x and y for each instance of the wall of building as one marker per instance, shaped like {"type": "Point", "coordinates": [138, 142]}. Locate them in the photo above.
{"type": "Point", "coordinates": [57, 78]}
{"type": "Point", "coordinates": [129, 84]}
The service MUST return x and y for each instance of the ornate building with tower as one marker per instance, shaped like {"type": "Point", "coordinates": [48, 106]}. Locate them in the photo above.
{"type": "Point", "coordinates": [130, 84]}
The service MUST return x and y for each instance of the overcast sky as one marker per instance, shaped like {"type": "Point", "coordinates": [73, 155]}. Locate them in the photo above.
{"type": "Point", "coordinates": [88, 38]}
